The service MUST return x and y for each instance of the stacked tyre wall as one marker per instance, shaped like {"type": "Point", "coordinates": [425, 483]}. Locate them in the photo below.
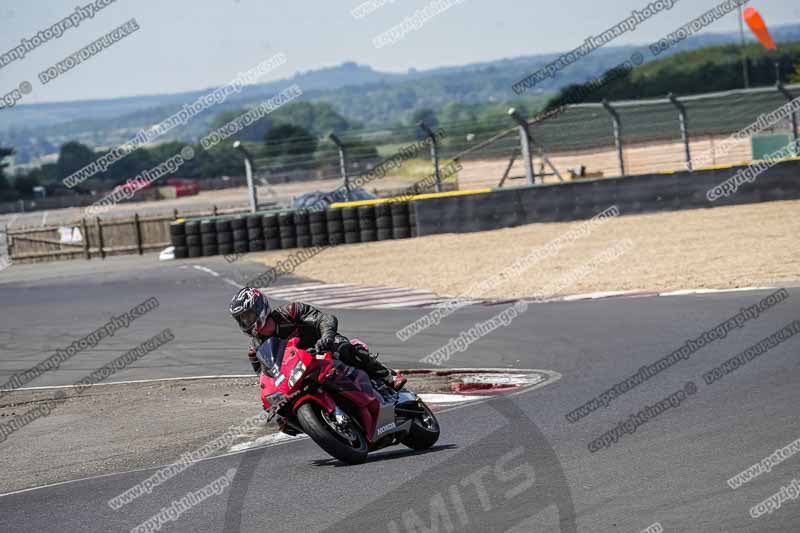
{"type": "Point", "coordinates": [287, 230]}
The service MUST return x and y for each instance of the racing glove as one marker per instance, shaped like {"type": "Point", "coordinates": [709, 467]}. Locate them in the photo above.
{"type": "Point", "coordinates": [324, 344]}
{"type": "Point", "coordinates": [254, 362]}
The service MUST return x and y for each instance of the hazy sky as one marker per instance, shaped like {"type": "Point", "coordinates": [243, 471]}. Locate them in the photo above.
{"type": "Point", "coordinates": [193, 44]}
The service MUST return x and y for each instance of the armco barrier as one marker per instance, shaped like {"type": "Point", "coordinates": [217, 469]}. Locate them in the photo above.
{"type": "Point", "coordinates": [503, 208]}
{"type": "Point", "coordinates": [408, 197]}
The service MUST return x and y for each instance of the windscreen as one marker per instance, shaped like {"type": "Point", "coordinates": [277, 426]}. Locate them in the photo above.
{"type": "Point", "coordinates": [270, 353]}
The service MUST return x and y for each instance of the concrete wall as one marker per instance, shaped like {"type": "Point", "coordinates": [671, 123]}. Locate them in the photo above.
{"type": "Point", "coordinates": [576, 200]}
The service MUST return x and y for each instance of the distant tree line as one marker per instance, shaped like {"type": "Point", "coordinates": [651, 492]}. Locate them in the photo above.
{"type": "Point", "coordinates": [716, 68]}
{"type": "Point", "coordinates": [290, 138]}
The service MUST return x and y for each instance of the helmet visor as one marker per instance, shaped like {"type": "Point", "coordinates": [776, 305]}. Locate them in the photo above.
{"type": "Point", "coordinates": [247, 319]}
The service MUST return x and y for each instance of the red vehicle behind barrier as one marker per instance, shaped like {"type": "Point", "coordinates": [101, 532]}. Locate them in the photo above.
{"type": "Point", "coordinates": [184, 187]}
{"type": "Point", "coordinates": [345, 412]}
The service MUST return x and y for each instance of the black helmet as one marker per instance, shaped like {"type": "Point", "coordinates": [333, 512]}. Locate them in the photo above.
{"type": "Point", "coordinates": [250, 309]}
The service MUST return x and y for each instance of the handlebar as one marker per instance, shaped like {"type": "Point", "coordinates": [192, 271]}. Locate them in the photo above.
{"type": "Point", "coordinates": [314, 352]}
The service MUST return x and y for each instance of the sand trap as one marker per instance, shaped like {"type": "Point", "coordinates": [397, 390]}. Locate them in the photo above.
{"type": "Point", "coordinates": [723, 247]}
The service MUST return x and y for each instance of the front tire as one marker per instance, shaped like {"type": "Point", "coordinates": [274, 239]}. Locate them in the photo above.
{"type": "Point", "coordinates": [424, 430]}
{"type": "Point", "coordinates": [349, 446]}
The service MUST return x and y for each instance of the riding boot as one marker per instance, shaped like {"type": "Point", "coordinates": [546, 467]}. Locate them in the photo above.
{"type": "Point", "coordinates": [378, 370]}
{"type": "Point", "coordinates": [359, 357]}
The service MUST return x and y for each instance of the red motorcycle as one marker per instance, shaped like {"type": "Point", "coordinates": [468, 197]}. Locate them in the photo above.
{"type": "Point", "coordinates": [344, 411]}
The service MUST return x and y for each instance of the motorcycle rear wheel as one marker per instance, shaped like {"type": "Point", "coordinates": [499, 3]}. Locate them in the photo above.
{"type": "Point", "coordinates": [424, 431]}
{"type": "Point", "coordinates": [350, 449]}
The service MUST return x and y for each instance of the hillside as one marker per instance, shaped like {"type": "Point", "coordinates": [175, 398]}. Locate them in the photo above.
{"type": "Point", "coordinates": [363, 95]}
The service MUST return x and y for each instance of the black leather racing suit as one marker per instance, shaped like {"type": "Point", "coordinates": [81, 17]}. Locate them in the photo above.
{"type": "Point", "coordinates": [316, 329]}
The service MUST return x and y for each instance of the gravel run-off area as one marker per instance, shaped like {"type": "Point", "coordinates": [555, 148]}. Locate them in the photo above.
{"type": "Point", "coordinates": [723, 247]}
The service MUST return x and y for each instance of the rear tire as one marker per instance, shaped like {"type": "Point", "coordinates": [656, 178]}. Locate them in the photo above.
{"type": "Point", "coordinates": [310, 417]}
{"type": "Point", "coordinates": [424, 431]}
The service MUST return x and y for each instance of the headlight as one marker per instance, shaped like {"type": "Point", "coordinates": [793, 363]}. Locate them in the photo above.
{"type": "Point", "coordinates": [297, 371]}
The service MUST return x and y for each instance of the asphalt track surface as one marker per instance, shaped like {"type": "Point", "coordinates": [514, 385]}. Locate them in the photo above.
{"type": "Point", "coordinates": [672, 470]}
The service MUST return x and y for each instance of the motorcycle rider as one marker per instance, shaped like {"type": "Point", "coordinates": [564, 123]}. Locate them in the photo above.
{"type": "Point", "coordinates": [252, 312]}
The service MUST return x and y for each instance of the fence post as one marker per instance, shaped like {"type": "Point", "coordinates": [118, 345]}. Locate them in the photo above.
{"type": "Point", "coordinates": [342, 163]}
{"type": "Point", "coordinates": [434, 154]}
{"type": "Point", "coordinates": [684, 129]}
{"type": "Point", "coordinates": [508, 168]}
{"type": "Point", "coordinates": [789, 98]}
{"type": "Point", "coordinates": [617, 134]}
{"type": "Point", "coordinates": [7, 241]}
{"type": "Point", "coordinates": [525, 143]}
{"type": "Point", "coordinates": [248, 172]}
{"type": "Point", "coordinates": [100, 243]}
{"type": "Point", "coordinates": [138, 229]}
{"type": "Point", "coordinates": [85, 229]}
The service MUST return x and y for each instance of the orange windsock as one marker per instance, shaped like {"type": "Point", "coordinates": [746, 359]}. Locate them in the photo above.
{"type": "Point", "coordinates": [759, 28]}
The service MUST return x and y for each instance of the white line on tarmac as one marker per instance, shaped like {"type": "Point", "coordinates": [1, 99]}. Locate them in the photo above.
{"type": "Point", "coordinates": [596, 295]}
{"type": "Point", "coordinates": [206, 270]}
{"type": "Point", "coordinates": [552, 375]}
{"type": "Point", "coordinates": [431, 399]}
{"type": "Point", "coordinates": [155, 380]}
{"type": "Point", "coordinates": [216, 275]}
{"type": "Point", "coordinates": [440, 399]}
{"type": "Point", "coordinates": [713, 291]}
{"type": "Point", "coordinates": [645, 294]}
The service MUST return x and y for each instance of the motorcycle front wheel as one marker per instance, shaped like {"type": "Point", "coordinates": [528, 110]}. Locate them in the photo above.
{"type": "Point", "coordinates": [424, 430]}
{"type": "Point", "coordinates": [337, 436]}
